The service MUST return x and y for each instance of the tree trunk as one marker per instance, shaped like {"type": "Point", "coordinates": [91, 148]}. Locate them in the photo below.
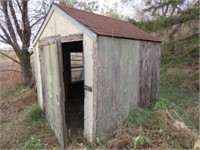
{"type": "Point", "coordinates": [26, 68]}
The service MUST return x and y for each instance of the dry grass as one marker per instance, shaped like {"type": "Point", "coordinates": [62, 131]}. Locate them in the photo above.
{"type": "Point", "coordinates": [9, 78]}
{"type": "Point", "coordinates": [161, 131]}
{"type": "Point", "coordinates": [10, 71]}
{"type": "Point", "coordinates": [16, 101]}
{"type": "Point", "coordinates": [16, 125]}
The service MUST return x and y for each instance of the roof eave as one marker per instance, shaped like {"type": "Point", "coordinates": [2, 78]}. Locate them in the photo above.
{"type": "Point", "coordinates": [132, 38]}
{"type": "Point", "coordinates": [43, 25]}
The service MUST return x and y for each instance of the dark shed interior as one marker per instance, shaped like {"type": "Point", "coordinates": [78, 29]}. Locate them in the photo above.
{"type": "Point", "coordinates": [73, 75]}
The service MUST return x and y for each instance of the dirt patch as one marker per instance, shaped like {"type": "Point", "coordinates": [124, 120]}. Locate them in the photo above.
{"type": "Point", "coordinates": [120, 144]}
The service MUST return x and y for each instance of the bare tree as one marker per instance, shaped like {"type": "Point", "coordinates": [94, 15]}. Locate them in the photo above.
{"type": "Point", "coordinates": [16, 30]}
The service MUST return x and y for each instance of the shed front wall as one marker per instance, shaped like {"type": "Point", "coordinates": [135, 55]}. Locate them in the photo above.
{"type": "Point", "coordinates": [59, 25]}
{"type": "Point", "coordinates": [117, 81]}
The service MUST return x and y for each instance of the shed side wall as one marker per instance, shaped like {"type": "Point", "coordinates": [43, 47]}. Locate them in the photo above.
{"type": "Point", "coordinates": [149, 72]}
{"type": "Point", "coordinates": [117, 81]}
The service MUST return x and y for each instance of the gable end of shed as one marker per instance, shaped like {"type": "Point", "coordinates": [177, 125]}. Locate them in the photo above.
{"type": "Point", "coordinates": [69, 18]}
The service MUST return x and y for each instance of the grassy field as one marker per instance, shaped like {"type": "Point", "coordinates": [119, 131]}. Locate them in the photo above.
{"type": "Point", "coordinates": [22, 121]}
{"type": "Point", "coordinates": [172, 122]}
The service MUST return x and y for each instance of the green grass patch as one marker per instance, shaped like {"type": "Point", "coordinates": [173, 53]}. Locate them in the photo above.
{"type": "Point", "coordinates": [161, 104]}
{"type": "Point", "coordinates": [139, 117]}
{"type": "Point", "coordinates": [178, 95]}
{"type": "Point", "coordinates": [34, 143]}
{"type": "Point", "coordinates": [186, 52]}
{"type": "Point", "coordinates": [36, 116]}
{"type": "Point", "coordinates": [172, 88]}
{"type": "Point", "coordinates": [36, 113]}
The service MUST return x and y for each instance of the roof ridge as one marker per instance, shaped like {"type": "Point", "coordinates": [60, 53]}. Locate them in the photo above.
{"type": "Point", "coordinates": [92, 13]}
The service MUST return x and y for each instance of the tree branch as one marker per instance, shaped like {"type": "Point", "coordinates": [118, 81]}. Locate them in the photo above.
{"type": "Point", "coordinates": [7, 36]}
{"type": "Point", "coordinates": [4, 5]}
{"type": "Point", "coordinates": [27, 30]}
{"type": "Point", "coordinates": [2, 70]}
{"type": "Point", "coordinates": [18, 4]}
{"type": "Point", "coordinates": [5, 40]}
{"type": "Point", "coordinates": [37, 22]}
{"type": "Point", "coordinates": [10, 58]}
{"type": "Point", "coordinates": [8, 40]}
{"type": "Point", "coordinates": [19, 31]}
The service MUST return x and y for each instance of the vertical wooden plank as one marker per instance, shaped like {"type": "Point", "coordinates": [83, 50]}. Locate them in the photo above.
{"type": "Point", "coordinates": [62, 94]}
{"type": "Point", "coordinates": [43, 76]}
{"type": "Point", "coordinates": [88, 81]}
{"type": "Point", "coordinates": [52, 87]}
{"type": "Point", "coordinates": [142, 79]}
{"type": "Point", "coordinates": [95, 70]}
{"type": "Point", "coordinates": [149, 72]}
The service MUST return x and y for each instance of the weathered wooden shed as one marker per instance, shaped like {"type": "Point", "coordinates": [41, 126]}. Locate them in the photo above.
{"type": "Point", "coordinates": [92, 71]}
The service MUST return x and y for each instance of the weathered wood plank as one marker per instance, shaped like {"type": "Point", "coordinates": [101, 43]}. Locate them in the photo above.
{"type": "Point", "coordinates": [72, 38]}
{"type": "Point", "coordinates": [43, 77]}
{"type": "Point", "coordinates": [48, 40]}
{"type": "Point", "coordinates": [62, 94]}
{"type": "Point", "coordinates": [52, 89]}
{"type": "Point", "coordinates": [117, 81]}
{"type": "Point", "coordinates": [149, 72]}
{"type": "Point", "coordinates": [95, 70]}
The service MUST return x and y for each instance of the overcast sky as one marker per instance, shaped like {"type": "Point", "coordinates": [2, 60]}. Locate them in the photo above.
{"type": "Point", "coordinates": [125, 10]}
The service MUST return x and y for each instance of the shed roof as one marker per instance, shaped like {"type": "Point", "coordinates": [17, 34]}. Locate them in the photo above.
{"type": "Point", "coordinates": [107, 26]}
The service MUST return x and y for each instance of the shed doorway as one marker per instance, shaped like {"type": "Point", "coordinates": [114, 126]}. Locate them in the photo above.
{"type": "Point", "coordinates": [73, 77]}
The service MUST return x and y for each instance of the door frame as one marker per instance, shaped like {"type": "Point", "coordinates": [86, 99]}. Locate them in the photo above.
{"type": "Point", "coordinates": [57, 40]}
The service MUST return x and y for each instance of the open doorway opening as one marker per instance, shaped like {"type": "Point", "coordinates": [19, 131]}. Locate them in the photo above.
{"type": "Point", "coordinates": [73, 75]}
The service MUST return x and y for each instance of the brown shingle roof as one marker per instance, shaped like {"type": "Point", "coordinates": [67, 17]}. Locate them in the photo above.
{"type": "Point", "coordinates": [102, 25]}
